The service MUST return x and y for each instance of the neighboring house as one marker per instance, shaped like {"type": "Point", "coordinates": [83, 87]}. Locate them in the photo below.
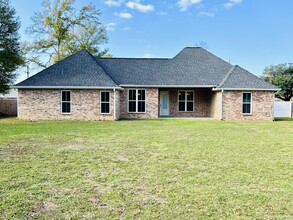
{"type": "Point", "coordinates": [195, 83]}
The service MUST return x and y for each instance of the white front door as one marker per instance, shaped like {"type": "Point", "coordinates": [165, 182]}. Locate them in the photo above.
{"type": "Point", "coordinates": [164, 103]}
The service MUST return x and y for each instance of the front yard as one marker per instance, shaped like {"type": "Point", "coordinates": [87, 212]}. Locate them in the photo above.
{"type": "Point", "coordinates": [165, 169]}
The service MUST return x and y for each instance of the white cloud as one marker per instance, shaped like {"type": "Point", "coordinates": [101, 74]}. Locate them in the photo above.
{"type": "Point", "coordinates": [123, 15]}
{"type": "Point", "coordinates": [205, 13]}
{"type": "Point", "coordinates": [140, 7]}
{"type": "Point", "coordinates": [185, 4]}
{"type": "Point", "coordinates": [114, 3]}
{"type": "Point", "coordinates": [232, 3]}
{"type": "Point", "coordinates": [111, 26]}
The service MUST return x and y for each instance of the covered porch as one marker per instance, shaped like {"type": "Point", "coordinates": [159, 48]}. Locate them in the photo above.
{"type": "Point", "coordinates": [188, 103]}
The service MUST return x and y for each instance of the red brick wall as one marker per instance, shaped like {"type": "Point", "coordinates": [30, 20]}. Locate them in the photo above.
{"type": "Point", "coordinates": [46, 105]}
{"type": "Point", "coordinates": [262, 105]}
{"type": "Point", "coordinates": [152, 105]}
{"type": "Point", "coordinates": [202, 99]}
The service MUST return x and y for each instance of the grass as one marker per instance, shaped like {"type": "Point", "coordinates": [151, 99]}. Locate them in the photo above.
{"type": "Point", "coordinates": [168, 169]}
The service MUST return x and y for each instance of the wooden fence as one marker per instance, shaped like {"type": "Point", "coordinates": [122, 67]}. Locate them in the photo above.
{"type": "Point", "coordinates": [8, 106]}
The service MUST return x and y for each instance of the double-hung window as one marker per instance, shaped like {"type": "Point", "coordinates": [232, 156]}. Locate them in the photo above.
{"type": "Point", "coordinates": [185, 101]}
{"type": "Point", "coordinates": [136, 101]}
{"type": "Point", "coordinates": [246, 103]}
{"type": "Point", "coordinates": [65, 102]}
{"type": "Point", "coordinates": [105, 102]}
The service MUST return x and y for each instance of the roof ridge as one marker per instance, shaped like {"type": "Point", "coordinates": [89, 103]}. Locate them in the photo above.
{"type": "Point", "coordinates": [201, 48]}
{"type": "Point", "coordinates": [96, 62]}
{"type": "Point", "coordinates": [228, 75]}
{"type": "Point", "coordinates": [133, 58]}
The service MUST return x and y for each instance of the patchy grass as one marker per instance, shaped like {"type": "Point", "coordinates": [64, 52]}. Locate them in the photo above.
{"type": "Point", "coordinates": [168, 169]}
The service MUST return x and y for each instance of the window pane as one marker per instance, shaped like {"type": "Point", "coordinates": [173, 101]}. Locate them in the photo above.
{"type": "Point", "coordinates": [247, 97]}
{"type": "Point", "coordinates": [141, 106]}
{"type": "Point", "coordinates": [181, 95]}
{"type": "Point", "coordinates": [141, 94]}
{"type": "Point", "coordinates": [66, 96]}
{"type": "Point", "coordinates": [190, 95]}
{"type": "Point", "coordinates": [132, 106]}
{"type": "Point", "coordinates": [132, 94]}
{"type": "Point", "coordinates": [246, 108]}
{"type": "Point", "coordinates": [105, 96]}
{"type": "Point", "coordinates": [105, 108]}
{"type": "Point", "coordinates": [190, 106]}
{"type": "Point", "coordinates": [66, 107]}
{"type": "Point", "coordinates": [181, 106]}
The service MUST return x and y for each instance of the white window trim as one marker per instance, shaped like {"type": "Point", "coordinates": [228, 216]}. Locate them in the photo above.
{"type": "Point", "coordinates": [105, 102]}
{"type": "Point", "coordinates": [186, 101]}
{"type": "Point", "coordinates": [66, 113]}
{"type": "Point", "coordinates": [136, 101]}
{"type": "Point", "coordinates": [246, 103]}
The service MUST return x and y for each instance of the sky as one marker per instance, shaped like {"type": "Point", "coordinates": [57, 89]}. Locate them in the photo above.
{"type": "Point", "coordinates": [251, 33]}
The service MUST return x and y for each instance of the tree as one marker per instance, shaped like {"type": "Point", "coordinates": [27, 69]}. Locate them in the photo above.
{"type": "Point", "coordinates": [282, 76]}
{"type": "Point", "coordinates": [60, 30]}
{"type": "Point", "coordinates": [10, 54]}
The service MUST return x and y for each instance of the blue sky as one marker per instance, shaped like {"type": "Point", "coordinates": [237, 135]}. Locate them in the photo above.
{"type": "Point", "coordinates": [251, 33]}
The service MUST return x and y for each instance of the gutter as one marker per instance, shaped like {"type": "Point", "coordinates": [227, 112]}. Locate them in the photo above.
{"type": "Point", "coordinates": [114, 91]}
{"type": "Point", "coordinates": [64, 87]}
{"type": "Point", "coordinates": [167, 86]}
{"type": "Point", "coordinates": [244, 89]}
{"type": "Point", "coordinates": [221, 107]}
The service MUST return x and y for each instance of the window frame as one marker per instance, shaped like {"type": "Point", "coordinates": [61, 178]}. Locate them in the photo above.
{"type": "Point", "coordinates": [250, 113]}
{"type": "Point", "coordinates": [185, 101]}
{"type": "Point", "coordinates": [105, 102]}
{"type": "Point", "coordinates": [70, 102]}
{"type": "Point", "coordinates": [136, 101]}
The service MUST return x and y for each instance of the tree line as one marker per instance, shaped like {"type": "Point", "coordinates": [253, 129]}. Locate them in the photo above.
{"type": "Point", "coordinates": [57, 31]}
{"type": "Point", "coordinates": [60, 30]}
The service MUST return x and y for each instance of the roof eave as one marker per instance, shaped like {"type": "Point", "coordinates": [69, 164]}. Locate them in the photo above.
{"type": "Point", "coordinates": [65, 87]}
{"type": "Point", "coordinates": [243, 89]}
{"type": "Point", "coordinates": [166, 86]}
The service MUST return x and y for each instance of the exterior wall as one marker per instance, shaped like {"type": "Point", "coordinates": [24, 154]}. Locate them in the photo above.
{"type": "Point", "coordinates": [201, 103]}
{"type": "Point", "coordinates": [262, 105]}
{"type": "Point", "coordinates": [215, 105]}
{"type": "Point", "coordinates": [46, 105]}
{"type": "Point", "coordinates": [152, 105]}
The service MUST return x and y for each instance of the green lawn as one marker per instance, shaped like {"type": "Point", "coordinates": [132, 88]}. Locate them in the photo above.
{"type": "Point", "coordinates": [165, 169]}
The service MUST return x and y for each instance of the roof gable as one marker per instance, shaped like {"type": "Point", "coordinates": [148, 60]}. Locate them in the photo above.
{"type": "Point", "coordinates": [239, 78]}
{"type": "Point", "coordinates": [77, 70]}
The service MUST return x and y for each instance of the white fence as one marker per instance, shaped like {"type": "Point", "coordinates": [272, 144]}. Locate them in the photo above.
{"type": "Point", "coordinates": [282, 109]}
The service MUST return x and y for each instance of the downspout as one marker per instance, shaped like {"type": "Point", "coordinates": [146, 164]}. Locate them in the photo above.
{"type": "Point", "coordinates": [221, 107]}
{"type": "Point", "coordinates": [115, 118]}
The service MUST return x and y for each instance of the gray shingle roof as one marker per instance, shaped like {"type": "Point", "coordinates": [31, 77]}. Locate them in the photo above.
{"type": "Point", "coordinates": [78, 70]}
{"type": "Point", "coordinates": [241, 78]}
{"type": "Point", "coordinates": [193, 66]}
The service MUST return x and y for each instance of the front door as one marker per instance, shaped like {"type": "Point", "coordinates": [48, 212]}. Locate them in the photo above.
{"type": "Point", "coordinates": [164, 103]}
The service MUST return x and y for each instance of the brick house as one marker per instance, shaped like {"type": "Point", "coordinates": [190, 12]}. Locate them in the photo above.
{"type": "Point", "coordinates": [195, 83]}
